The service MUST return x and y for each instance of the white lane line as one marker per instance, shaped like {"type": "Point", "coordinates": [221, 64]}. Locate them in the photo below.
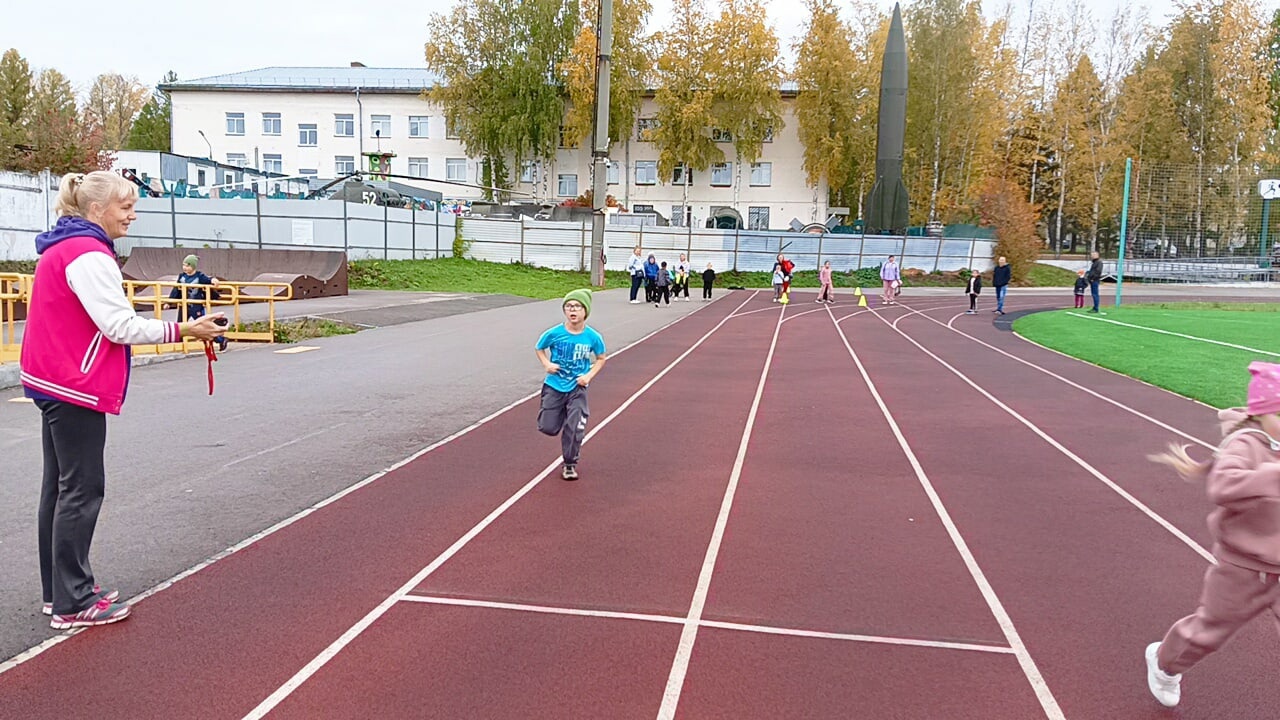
{"type": "Point", "coordinates": [752, 312]}
{"type": "Point", "coordinates": [1062, 449]}
{"type": "Point", "coordinates": [37, 650]}
{"type": "Point", "coordinates": [953, 319]}
{"type": "Point", "coordinates": [876, 639]}
{"type": "Point", "coordinates": [806, 312]}
{"type": "Point", "coordinates": [1038, 684]}
{"type": "Point", "coordinates": [900, 318]}
{"type": "Point", "coordinates": [684, 651]}
{"type": "Point", "coordinates": [300, 677]}
{"type": "Point", "coordinates": [722, 625]}
{"type": "Point", "coordinates": [846, 317]}
{"type": "Point", "coordinates": [1174, 334]}
{"type": "Point", "coordinates": [1078, 386]}
{"type": "Point", "coordinates": [283, 445]}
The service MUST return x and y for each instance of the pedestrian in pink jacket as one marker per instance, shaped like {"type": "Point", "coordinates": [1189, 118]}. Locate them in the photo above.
{"type": "Point", "coordinates": [1243, 480]}
{"type": "Point", "coordinates": [75, 367]}
{"type": "Point", "coordinates": [824, 278]}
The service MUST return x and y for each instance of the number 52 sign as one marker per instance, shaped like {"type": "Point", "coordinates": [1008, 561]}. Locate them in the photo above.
{"type": "Point", "coordinates": [1269, 189]}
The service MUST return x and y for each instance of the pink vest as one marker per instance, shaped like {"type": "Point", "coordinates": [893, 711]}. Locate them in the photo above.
{"type": "Point", "coordinates": [64, 355]}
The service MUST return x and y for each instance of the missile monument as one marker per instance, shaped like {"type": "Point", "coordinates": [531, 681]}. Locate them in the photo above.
{"type": "Point", "coordinates": [887, 205]}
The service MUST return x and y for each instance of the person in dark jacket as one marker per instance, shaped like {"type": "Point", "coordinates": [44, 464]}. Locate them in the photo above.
{"type": "Point", "coordinates": [650, 278]}
{"type": "Point", "coordinates": [1095, 279]}
{"type": "Point", "coordinates": [195, 296]}
{"type": "Point", "coordinates": [973, 289]}
{"type": "Point", "coordinates": [1081, 286]}
{"type": "Point", "coordinates": [708, 279]}
{"type": "Point", "coordinates": [1000, 281]}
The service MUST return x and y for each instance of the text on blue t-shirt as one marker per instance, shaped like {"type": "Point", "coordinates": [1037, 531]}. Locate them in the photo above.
{"type": "Point", "coordinates": [573, 353]}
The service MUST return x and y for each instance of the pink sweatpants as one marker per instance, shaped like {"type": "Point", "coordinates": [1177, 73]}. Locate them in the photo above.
{"type": "Point", "coordinates": [887, 295]}
{"type": "Point", "coordinates": [1230, 598]}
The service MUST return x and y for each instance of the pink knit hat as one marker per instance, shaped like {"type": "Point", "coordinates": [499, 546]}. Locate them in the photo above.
{"type": "Point", "coordinates": [1264, 389]}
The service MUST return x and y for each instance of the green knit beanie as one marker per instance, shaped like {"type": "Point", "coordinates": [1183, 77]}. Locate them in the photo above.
{"type": "Point", "coordinates": [191, 260]}
{"type": "Point", "coordinates": [583, 296]}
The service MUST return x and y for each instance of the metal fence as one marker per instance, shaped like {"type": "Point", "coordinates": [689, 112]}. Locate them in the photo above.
{"type": "Point", "coordinates": [1215, 270]}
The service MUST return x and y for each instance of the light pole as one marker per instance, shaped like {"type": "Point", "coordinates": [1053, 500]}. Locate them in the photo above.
{"type": "Point", "coordinates": [206, 142]}
{"type": "Point", "coordinates": [600, 142]}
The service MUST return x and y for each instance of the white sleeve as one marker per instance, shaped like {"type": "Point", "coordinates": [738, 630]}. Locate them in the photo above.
{"type": "Point", "coordinates": [95, 278]}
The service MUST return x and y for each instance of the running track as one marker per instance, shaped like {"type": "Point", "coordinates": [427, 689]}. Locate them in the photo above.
{"type": "Point", "coordinates": [800, 512]}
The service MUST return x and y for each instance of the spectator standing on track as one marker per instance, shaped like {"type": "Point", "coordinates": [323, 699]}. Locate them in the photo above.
{"type": "Point", "coordinates": [708, 279]}
{"type": "Point", "coordinates": [1243, 479]}
{"type": "Point", "coordinates": [682, 278]}
{"type": "Point", "coordinates": [650, 277]}
{"type": "Point", "coordinates": [75, 366]}
{"type": "Point", "coordinates": [824, 278]}
{"type": "Point", "coordinates": [1095, 280]}
{"type": "Point", "coordinates": [635, 268]}
{"type": "Point", "coordinates": [195, 296]}
{"type": "Point", "coordinates": [973, 288]}
{"type": "Point", "coordinates": [1000, 278]}
{"type": "Point", "coordinates": [787, 268]}
{"type": "Point", "coordinates": [662, 286]}
{"type": "Point", "coordinates": [1081, 286]}
{"type": "Point", "coordinates": [566, 352]}
{"type": "Point", "coordinates": [889, 275]}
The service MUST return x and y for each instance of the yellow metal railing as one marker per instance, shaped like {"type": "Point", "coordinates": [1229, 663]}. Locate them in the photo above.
{"type": "Point", "coordinates": [153, 296]}
{"type": "Point", "coordinates": [15, 289]}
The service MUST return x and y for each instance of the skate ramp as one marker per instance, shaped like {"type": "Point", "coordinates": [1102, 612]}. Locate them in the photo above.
{"type": "Point", "coordinates": [311, 273]}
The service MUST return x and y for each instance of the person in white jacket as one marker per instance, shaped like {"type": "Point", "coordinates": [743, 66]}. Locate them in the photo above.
{"type": "Point", "coordinates": [635, 268]}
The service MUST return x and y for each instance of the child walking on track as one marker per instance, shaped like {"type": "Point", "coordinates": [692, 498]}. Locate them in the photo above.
{"type": "Point", "coordinates": [824, 277]}
{"type": "Point", "coordinates": [708, 279]}
{"type": "Point", "coordinates": [973, 289]}
{"type": "Point", "coordinates": [566, 352]}
{"type": "Point", "coordinates": [1243, 480]}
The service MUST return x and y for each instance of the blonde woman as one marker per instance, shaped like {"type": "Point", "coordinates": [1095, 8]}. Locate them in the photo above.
{"type": "Point", "coordinates": [75, 366]}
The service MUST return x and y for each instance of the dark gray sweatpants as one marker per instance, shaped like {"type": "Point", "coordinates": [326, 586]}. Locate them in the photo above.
{"type": "Point", "coordinates": [565, 414]}
{"type": "Point", "coordinates": [71, 493]}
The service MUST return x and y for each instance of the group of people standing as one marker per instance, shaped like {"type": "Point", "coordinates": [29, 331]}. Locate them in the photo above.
{"type": "Point", "coordinates": [661, 282]}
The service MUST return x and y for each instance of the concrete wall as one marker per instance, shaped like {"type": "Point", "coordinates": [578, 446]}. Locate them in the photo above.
{"type": "Point", "coordinates": [26, 209]}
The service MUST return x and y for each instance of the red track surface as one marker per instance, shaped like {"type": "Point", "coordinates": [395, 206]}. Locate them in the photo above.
{"type": "Point", "coordinates": [830, 531]}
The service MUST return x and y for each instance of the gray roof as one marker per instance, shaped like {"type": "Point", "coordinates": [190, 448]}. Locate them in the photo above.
{"type": "Point", "coordinates": [316, 79]}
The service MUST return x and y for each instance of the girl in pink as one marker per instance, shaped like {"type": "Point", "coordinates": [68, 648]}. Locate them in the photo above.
{"type": "Point", "coordinates": [824, 277]}
{"type": "Point", "coordinates": [1243, 480]}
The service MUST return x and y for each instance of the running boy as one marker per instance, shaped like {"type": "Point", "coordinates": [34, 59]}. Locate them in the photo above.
{"type": "Point", "coordinates": [565, 352]}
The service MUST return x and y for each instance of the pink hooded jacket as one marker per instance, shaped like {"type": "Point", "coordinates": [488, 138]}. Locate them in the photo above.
{"type": "Point", "coordinates": [1244, 482]}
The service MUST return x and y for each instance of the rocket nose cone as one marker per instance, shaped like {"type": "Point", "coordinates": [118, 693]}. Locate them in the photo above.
{"type": "Point", "coordinates": [896, 41]}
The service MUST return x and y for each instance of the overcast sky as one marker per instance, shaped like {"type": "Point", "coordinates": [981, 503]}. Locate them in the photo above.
{"type": "Point", "coordinates": [201, 39]}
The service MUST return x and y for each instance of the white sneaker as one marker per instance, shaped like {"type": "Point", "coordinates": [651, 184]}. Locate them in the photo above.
{"type": "Point", "coordinates": [1165, 687]}
{"type": "Point", "coordinates": [635, 302]}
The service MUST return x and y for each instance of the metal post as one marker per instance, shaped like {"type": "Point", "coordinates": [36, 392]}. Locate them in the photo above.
{"type": "Point", "coordinates": [600, 145]}
{"type": "Point", "coordinates": [257, 205]}
{"type": "Point", "coordinates": [820, 237]}
{"type": "Point", "coordinates": [173, 218]}
{"type": "Point", "coordinates": [413, 230]}
{"type": "Point", "coordinates": [346, 242]}
{"type": "Point", "coordinates": [1124, 229]}
{"type": "Point", "coordinates": [386, 234]}
{"type": "Point", "coordinates": [737, 235]}
{"type": "Point", "coordinates": [436, 215]}
{"type": "Point", "coordinates": [1266, 221]}
{"type": "Point", "coordinates": [521, 239]}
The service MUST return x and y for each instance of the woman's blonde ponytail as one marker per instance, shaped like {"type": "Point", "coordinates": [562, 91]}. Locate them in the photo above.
{"type": "Point", "coordinates": [68, 192]}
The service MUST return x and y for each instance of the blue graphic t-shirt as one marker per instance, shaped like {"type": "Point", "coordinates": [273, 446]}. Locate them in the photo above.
{"type": "Point", "coordinates": [572, 353]}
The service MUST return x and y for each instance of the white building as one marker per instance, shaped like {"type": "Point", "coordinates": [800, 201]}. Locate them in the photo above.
{"type": "Point", "coordinates": [188, 176]}
{"type": "Point", "coordinates": [318, 122]}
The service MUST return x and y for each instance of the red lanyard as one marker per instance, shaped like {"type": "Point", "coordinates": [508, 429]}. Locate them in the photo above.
{"type": "Point", "coordinates": [212, 358]}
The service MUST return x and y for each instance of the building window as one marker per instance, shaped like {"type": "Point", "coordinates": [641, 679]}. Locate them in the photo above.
{"type": "Point", "coordinates": [529, 171]}
{"type": "Point", "coordinates": [455, 169]}
{"type": "Point", "coordinates": [681, 175]}
{"type": "Point", "coordinates": [200, 177]}
{"type": "Point", "coordinates": [418, 167]}
{"type": "Point", "coordinates": [449, 132]}
{"type": "Point", "coordinates": [645, 128]}
{"type": "Point", "coordinates": [344, 126]}
{"type": "Point", "coordinates": [757, 218]}
{"type": "Point", "coordinates": [418, 126]}
{"type": "Point", "coordinates": [721, 136]}
{"type": "Point", "coordinates": [380, 126]}
{"type": "Point", "coordinates": [722, 174]}
{"type": "Point", "coordinates": [309, 172]}
{"type": "Point", "coordinates": [344, 165]}
{"type": "Point", "coordinates": [768, 134]}
{"type": "Point", "coordinates": [273, 164]}
{"type": "Point", "coordinates": [567, 186]}
{"type": "Point", "coordinates": [646, 172]}
{"type": "Point", "coordinates": [270, 123]}
{"type": "Point", "coordinates": [235, 123]}
{"type": "Point", "coordinates": [308, 135]}
{"type": "Point", "coordinates": [565, 141]}
{"type": "Point", "coordinates": [681, 215]}
{"type": "Point", "coordinates": [761, 174]}
{"type": "Point", "coordinates": [237, 159]}
{"type": "Point", "coordinates": [613, 175]}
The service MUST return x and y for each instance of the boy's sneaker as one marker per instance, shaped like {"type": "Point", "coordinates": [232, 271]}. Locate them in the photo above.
{"type": "Point", "coordinates": [109, 596]}
{"type": "Point", "coordinates": [103, 612]}
{"type": "Point", "coordinates": [1165, 687]}
{"type": "Point", "coordinates": [570, 472]}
